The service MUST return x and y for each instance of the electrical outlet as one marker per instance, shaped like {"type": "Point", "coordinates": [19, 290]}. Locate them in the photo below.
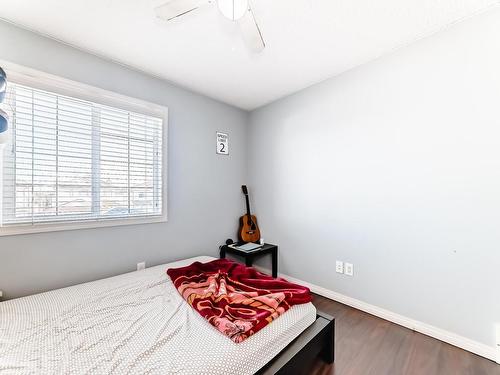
{"type": "Point", "coordinates": [339, 266]}
{"type": "Point", "coordinates": [1, 294]}
{"type": "Point", "coordinates": [349, 269]}
{"type": "Point", "coordinates": [141, 266]}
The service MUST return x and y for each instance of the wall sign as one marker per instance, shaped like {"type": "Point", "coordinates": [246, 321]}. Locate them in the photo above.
{"type": "Point", "coordinates": [222, 143]}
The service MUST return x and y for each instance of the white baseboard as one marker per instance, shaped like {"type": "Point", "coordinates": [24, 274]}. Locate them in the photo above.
{"type": "Point", "coordinates": [498, 342]}
{"type": "Point", "coordinates": [451, 338]}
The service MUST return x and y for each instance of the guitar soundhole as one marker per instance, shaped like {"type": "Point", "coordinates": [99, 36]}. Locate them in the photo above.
{"type": "Point", "coordinates": [250, 223]}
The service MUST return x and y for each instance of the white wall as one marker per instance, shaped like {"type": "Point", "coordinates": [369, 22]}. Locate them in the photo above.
{"type": "Point", "coordinates": [204, 198]}
{"type": "Point", "coordinates": [395, 167]}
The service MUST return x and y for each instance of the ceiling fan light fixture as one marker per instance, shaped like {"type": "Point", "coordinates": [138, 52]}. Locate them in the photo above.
{"type": "Point", "coordinates": [233, 9]}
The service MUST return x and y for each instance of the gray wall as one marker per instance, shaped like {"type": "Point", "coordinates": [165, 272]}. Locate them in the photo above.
{"type": "Point", "coordinates": [204, 200]}
{"type": "Point", "coordinates": [395, 167]}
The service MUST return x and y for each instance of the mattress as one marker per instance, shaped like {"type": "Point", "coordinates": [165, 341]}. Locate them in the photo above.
{"type": "Point", "coordinates": [136, 323]}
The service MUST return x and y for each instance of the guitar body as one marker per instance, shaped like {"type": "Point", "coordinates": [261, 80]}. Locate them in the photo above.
{"type": "Point", "coordinates": [249, 230]}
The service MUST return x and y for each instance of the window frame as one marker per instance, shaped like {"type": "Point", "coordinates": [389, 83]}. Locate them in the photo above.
{"type": "Point", "coordinates": [62, 86]}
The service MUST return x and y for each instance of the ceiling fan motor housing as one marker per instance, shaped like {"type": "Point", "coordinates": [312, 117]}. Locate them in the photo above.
{"type": "Point", "coordinates": [233, 9]}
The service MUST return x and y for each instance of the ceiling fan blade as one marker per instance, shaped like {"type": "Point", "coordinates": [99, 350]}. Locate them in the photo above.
{"type": "Point", "coordinates": [177, 8]}
{"type": "Point", "coordinates": [251, 32]}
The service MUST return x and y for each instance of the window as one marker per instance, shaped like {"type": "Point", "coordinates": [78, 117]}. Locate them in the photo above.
{"type": "Point", "coordinates": [72, 161]}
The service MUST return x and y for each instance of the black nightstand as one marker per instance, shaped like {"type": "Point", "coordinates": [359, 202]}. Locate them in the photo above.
{"type": "Point", "coordinates": [265, 249]}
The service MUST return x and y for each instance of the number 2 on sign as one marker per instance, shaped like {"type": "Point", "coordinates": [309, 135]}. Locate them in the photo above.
{"type": "Point", "coordinates": [222, 143]}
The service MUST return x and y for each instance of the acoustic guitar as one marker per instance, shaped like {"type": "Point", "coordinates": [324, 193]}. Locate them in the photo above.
{"type": "Point", "coordinates": [249, 230]}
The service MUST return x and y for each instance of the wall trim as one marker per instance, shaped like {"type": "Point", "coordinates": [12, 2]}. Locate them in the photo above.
{"type": "Point", "coordinates": [451, 338]}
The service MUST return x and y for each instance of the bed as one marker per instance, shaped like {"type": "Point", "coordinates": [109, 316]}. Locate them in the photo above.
{"type": "Point", "coordinates": [137, 323]}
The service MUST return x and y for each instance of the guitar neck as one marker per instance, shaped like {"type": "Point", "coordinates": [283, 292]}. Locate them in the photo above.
{"type": "Point", "coordinates": [248, 204]}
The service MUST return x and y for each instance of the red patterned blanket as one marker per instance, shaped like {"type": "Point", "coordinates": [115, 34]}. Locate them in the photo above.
{"type": "Point", "coordinates": [235, 299]}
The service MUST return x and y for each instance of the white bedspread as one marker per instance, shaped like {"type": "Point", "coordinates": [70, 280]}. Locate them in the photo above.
{"type": "Point", "coordinates": [135, 323]}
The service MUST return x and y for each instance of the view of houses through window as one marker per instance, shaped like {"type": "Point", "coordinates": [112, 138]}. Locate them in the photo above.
{"type": "Point", "coordinates": [72, 159]}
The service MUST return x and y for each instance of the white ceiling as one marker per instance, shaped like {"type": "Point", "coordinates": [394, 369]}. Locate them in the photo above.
{"type": "Point", "coordinates": [307, 40]}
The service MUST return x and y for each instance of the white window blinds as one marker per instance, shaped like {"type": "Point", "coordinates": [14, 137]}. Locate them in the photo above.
{"type": "Point", "coordinates": [76, 160]}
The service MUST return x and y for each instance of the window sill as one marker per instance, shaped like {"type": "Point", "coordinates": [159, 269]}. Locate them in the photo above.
{"type": "Point", "coordinates": [65, 226]}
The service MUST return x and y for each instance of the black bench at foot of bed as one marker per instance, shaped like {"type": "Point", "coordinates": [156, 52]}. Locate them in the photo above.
{"type": "Point", "coordinates": [318, 340]}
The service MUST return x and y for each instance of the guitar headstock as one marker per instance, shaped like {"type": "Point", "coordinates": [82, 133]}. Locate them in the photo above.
{"type": "Point", "coordinates": [245, 190]}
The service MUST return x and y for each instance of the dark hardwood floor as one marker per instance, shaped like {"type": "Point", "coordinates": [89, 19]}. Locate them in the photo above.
{"type": "Point", "coordinates": [367, 345]}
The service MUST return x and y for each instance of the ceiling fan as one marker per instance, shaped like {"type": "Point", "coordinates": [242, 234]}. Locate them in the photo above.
{"type": "Point", "coordinates": [235, 10]}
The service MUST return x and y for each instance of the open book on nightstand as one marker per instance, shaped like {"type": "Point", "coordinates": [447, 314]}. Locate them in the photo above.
{"type": "Point", "coordinates": [247, 247]}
